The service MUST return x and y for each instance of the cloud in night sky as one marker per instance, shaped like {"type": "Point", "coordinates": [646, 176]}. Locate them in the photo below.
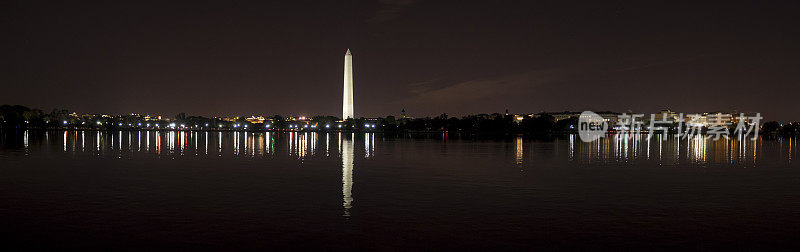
{"type": "Point", "coordinates": [390, 9]}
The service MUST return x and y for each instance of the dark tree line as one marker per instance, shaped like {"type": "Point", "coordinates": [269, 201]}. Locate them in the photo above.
{"type": "Point", "coordinates": [17, 116]}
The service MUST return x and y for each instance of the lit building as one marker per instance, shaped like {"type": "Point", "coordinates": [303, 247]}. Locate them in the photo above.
{"type": "Point", "coordinates": [255, 119]}
{"type": "Point", "coordinates": [718, 118]}
{"type": "Point", "coordinates": [564, 115]}
{"type": "Point", "coordinates": [666, 115]}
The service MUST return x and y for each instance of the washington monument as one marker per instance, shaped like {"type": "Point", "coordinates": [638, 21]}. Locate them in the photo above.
{"type": "Point", "coordinates": [347, 96]}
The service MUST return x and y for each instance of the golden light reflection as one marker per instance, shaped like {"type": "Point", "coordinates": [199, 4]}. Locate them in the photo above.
{"type": "Point", "coordinates": [519, 152]}
{"type": "Point", "coordinates": [236, 143]}
{"type": "Point", "coordinates": [158, 142]}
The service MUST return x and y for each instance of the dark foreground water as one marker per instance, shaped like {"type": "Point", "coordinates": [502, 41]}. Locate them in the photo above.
{"type": "Point", "coordinates": [238, 190]}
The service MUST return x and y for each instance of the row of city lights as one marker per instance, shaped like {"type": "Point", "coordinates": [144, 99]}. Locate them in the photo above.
{"type": "Point", "coordinates": [172, 125]}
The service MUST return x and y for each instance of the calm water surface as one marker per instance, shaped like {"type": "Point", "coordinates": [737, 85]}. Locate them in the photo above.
{"type": "Point", "coordinates": [244, 190]}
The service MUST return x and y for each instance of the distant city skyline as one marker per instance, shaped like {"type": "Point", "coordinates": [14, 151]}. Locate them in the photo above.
{"type": "Point", "coordinates": [427, 57]}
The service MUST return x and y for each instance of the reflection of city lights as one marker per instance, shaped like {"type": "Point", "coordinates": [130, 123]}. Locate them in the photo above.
{"type": "Point", "coordinates": [519, 151]}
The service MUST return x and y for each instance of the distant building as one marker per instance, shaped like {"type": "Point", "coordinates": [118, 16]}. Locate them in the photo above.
{"type": "Point", "coordinates": [255, 119]}
{"type": "Point", "coordinates": [718, 117]}
{"type": "Point", "coordinates": [558, 116]}
{"type": "Point", "coordinates": [666, 115]}
{"type": "Point", "coordinates": [519, 118]}
{"type": "Point", "coordinates": [610, 117]}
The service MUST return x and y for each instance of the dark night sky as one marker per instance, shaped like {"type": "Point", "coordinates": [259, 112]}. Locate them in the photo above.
{"type": "Point", "coordinates": [429, 57]}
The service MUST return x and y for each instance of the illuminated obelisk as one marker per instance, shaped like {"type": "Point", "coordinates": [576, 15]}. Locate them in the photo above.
{"type": "Point", "coordinates": [347, 97]}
